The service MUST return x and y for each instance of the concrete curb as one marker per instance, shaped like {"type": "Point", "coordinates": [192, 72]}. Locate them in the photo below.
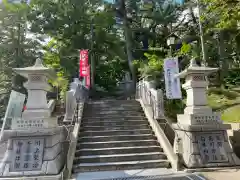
{"type": "Point", "coordinates": [162, 139]}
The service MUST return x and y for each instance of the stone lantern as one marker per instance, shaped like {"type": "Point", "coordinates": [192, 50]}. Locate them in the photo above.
{"type": "Point", "coordinates": [34, 146]}
{"type": "Point", "coordinates": [201, 137]}
{"type": "Point", "coordinates": [37, 87]}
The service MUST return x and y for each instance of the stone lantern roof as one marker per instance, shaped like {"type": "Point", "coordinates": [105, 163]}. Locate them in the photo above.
{"type": "Point", "coordinates": [37, 68]}
{"type": "Point", "coordinates": [195, 69]}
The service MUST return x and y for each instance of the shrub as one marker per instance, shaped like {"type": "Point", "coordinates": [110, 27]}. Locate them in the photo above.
{"type": "Point", "coordinates": [173, 107]}
{"type": "Point", "coordinates": [151, 69]}
{"type": "Point", "coordinates": [220, 91]}
{"type": "Point", "coordinates": [233, 77]}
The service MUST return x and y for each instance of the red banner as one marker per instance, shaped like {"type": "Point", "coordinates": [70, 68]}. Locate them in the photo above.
{"type": "Point", "coordinates": [83, 63]}
{"type": "Point", "coordinates": [88, 78]}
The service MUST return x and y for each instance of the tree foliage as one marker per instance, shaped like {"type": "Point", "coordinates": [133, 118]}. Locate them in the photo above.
{"type": "Point", "coordinates": [76, 25]}
{"type": "Point", "coordinates": [226, 12]}
{"type": "Point", "coordinates": [16, 48]}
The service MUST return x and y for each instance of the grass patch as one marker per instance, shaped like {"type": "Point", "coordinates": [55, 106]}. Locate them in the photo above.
{"type": "Point", "coordinates": [229, 94]}
{"type": "Point", "coordinates": [221, 102]}
{"type": "Point", "coordinates": [232, 114]}
{"type": "Point", "coordinates": [225, 101]}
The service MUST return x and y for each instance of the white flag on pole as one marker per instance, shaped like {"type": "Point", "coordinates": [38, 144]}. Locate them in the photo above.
{"type": "Point", "coordinates": [172, 84]}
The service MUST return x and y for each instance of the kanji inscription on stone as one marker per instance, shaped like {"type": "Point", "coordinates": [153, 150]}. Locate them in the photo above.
{"type": "Point", "coordinates": [23, 124]}
{"type": "Point", "coordinates": [212, 147]}
{"type": "Point", "coordinates": [27, 154]}
{"type": "Point", "coordinates": [211, 119]}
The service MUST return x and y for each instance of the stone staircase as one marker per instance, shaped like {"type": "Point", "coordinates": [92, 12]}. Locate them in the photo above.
{"type": "Point", "coordinates": [115, 135]}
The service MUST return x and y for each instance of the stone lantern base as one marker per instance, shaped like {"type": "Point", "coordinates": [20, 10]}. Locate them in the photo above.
{"type": "Point", "coordinates": [32, 153]}
{"type": "Point", "coordinates": [204, 143]}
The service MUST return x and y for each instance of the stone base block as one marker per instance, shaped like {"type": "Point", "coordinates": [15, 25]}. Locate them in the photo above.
{"type": "Point", "coordinates": [34, 123]}
{"type": "Point", "coordinates": [197, 110]}
{"type": "Point", "coordinates": [37, 153]}
{"type": "Point", "coordinates": [201, 149]}
{"type": "Point", "coordinates": [196, 119]}
{"type": "Point", "coordinates": [36, 113]}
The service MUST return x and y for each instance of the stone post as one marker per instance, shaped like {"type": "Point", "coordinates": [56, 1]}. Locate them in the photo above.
{"type": "Point", "coordinates": [201, 137]}
{"type": "Point", "coordinates": [160, 104]}
{"type": "Point", "coordinates": [71, 105]}
{"type": "Point", "coordinates": [72, 100]}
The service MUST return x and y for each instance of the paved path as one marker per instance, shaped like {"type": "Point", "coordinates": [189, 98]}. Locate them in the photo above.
{"type": "Point", "coordinates": [160, 174]}
{"type": "Point", "coordinates": [170, 177]}
{"type": "Point", "coordinates": [141, 174]}
{"type": "Point", "coordinates": [227, 174]}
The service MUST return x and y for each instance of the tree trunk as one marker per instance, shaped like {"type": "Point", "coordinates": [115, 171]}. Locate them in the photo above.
{"type": "Point", "coordinates": [222, 58]}
{"type": "Point", "coordinates": [128, 38]}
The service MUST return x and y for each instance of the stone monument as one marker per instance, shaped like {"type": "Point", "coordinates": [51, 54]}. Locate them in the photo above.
{"type": "Point", "coordinates": [34, 144]}
{"type": "Point", "coordinates": [201, 138]}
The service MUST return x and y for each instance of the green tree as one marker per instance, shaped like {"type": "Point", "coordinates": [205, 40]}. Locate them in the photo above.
{"type": "Point", "coordinates": [17, 49]}
{"type": "Point", "coordinates": [226, 12]}
{"type": "Point", "coordinates": [69, 23]}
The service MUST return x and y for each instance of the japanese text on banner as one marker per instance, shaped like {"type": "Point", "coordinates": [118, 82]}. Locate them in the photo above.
{"type": "Point", "coordinates": [172, 84]}
{"type": "Point", "coordinates": [83, 63]}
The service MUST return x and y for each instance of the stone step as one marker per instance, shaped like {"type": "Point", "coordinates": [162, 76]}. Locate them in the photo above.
{"type": "Point", "coordinates": [122, 115]}
{"type": "Point", "coordinates": [115, 138]}
{"type": "Point", "coordinates": [114, 127]}
{"type": "Point", "coordinates": [113, 123]}
{"type": "Point", "coordinates": [113, 113]}
{"type": "Point", "coordinates": [114, 105]}
{"type": "Point", "coordinates": [120, 157]}
{"type": "Point", "coordinates": [84, 167]}
{"type": "Point", "coordinates": [114, 101]}
{"type": "Point", "coordinates": [119, 150]}
{"type": "Point", "coordinates": [113, 118]}
{"type": "Point", "coordinates": [117, 108]}
{"type": "Point", "coordinates": [116, 132]}
{"type": "Point", "coordinates": [116, 135]}
{"type": "Point", "coordinates": [112, 144]}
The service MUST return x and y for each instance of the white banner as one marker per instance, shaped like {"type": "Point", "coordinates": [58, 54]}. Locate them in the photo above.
{"type": "Point", "coordinates": [172, 84]}
{"type": "Point", "coordinates": [14, 109]}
